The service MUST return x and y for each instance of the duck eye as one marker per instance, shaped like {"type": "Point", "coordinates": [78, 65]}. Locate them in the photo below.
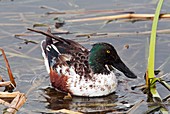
{"type": "Point", "coordinates": [107, 51]}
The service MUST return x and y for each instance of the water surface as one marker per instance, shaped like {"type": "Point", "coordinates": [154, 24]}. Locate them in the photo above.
{"type": "Point", "coordinates": [27, 63]}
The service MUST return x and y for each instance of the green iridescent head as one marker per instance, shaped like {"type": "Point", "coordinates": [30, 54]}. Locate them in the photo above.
{"type": "Point", "coordinates": [103, 58]}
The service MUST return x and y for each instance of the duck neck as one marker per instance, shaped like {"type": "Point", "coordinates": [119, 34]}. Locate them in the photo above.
{"type": "Point", "coordinates": [99, 68]}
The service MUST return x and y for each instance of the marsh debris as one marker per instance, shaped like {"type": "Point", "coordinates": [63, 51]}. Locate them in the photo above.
{"type": "Point", "coordinates": [11, 100]}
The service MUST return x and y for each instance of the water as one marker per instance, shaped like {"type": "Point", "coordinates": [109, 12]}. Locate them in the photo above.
{"type": "Point", "coordinates": [27, 63]}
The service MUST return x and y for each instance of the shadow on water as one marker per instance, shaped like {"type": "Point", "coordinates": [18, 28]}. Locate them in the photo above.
{"type": "Point", "coordinates": [57, 100]}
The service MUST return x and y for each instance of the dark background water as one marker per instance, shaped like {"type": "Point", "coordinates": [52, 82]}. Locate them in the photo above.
{"type": "Point", "coordinates": [27, 63]}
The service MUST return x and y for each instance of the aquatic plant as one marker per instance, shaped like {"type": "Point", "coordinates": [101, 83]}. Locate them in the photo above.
{"type": "Point", "coordinates": [150, 74]}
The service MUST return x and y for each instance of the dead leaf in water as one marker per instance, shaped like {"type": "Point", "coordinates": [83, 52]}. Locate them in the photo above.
{"type": "Point", "coordinates": [68, 97]}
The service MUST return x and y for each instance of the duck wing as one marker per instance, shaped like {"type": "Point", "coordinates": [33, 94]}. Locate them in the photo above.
{"type": "Point", "coordinates": [58, 51]}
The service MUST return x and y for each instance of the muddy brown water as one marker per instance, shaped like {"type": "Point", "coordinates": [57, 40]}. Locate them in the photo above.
{"type": "Point", "coordinates": [27, 63]}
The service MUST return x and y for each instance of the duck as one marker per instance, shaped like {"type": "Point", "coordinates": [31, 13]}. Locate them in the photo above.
{"type": "Point", "coordinates": [79, 71]}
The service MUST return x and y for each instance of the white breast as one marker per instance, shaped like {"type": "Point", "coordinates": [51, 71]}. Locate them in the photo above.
{"type": "Point", "coordinates": [99, 85]}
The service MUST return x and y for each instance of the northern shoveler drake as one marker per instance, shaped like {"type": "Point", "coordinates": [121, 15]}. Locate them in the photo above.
{"type": "Point", "coordinates": [76, 70]}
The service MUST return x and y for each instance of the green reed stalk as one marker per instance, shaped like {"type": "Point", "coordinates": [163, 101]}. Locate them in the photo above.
{"type": "Point", "coordinates": [151, 59]}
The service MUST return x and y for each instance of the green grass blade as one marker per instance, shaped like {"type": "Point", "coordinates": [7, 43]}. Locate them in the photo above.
{"type": "Point", "coordinates": [151, 58]}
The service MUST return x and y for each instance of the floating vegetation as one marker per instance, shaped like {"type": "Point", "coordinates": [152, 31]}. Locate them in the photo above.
{"type": "Point", "coordinates": [88, 12]}
{"type": "Point", "coordinates": [12, 100]}
{"type": "Point", "coordinates": [121, 16]}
